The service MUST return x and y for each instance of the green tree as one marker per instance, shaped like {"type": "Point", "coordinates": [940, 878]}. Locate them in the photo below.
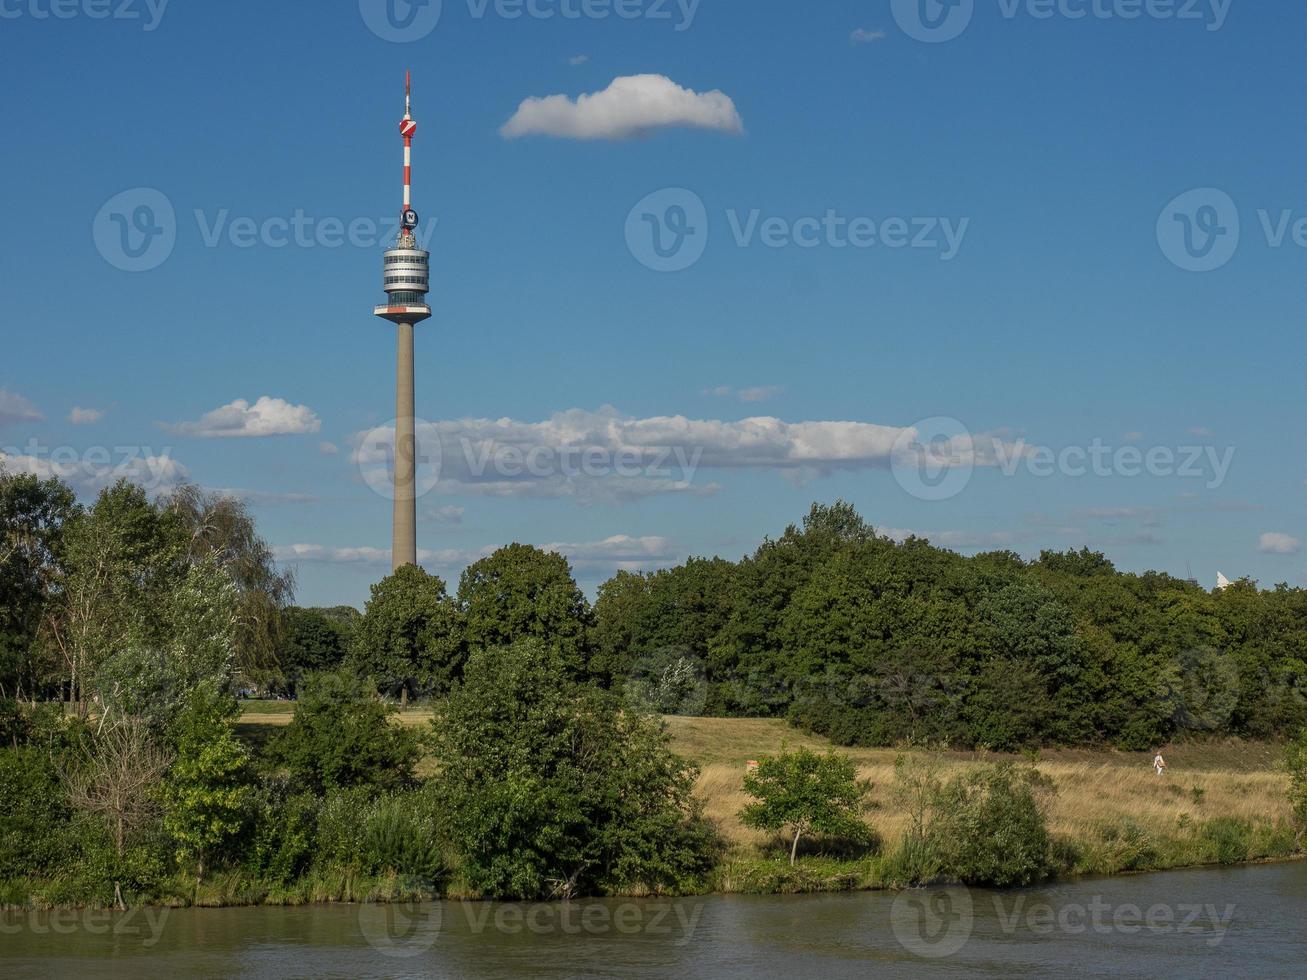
{"type": "Point", "coordinates": [521, 592]}
{"type": "Point", "coordinates": [554, 790]}
{"type": "Point", "coordinates": [208, 790]}
{"type": "Point", "coordinates": [341, 736]}
{"type": "Point", "coordinates": [219, 528]}
{"type": "Point", "coordinates": [33, 514]}
{"type": "Point", "coordinates": [314, 640]}
{"type": "Point", "coordinates": [122, 557]}
{"type": "Point", "coordinates": [410, 637]}
{"type": "Point", "coordinates": [805, 793]}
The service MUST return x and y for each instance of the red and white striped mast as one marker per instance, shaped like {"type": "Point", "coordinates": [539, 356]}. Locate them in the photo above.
{"type": "Point", "coordinates": [407, 127]}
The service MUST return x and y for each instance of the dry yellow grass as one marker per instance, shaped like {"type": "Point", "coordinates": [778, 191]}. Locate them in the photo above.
{"type": "Point", "coordinates": [1092, 788]}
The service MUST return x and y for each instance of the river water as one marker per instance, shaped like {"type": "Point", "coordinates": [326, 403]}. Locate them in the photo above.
{"type": "Point", "coordinates": [1244, 922]}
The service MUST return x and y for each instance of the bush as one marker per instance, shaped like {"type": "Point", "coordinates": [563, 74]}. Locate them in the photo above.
{"type": "Point", "coordinates": [34, 818]}
{"type": "Point", "coordinates": [554, 791]}
{"type": "Point", "coordinates": [282, 836]}
{"type": "Point", "coordinates": [341, 737]}
{"type": "Point", "coordinates": [1229, 838]}
{"type": "Point", "coordinates": [395, 833]}
{"type": "Point", "coordinates": [1296, 762]}
{"type": "Point", "coordinates": [989, 829]}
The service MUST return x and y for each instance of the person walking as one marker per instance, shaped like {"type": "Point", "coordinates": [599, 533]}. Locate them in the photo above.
{"type": "Point", "coordinates": [1159, 764]}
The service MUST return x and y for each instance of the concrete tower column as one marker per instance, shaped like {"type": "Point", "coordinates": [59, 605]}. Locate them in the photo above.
{"type": "Point", "coordinates": [404, 543]}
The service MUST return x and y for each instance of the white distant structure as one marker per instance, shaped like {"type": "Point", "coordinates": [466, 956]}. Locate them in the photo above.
{"type": "Point", "coordinates": [1222, 582]}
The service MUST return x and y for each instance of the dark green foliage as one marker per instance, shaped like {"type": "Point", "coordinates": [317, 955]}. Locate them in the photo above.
{"type": "Point", "coordinates": [33, 815]}
{"type": "Point", "coordinates": [411, 636]}
{"type": "Point", "coordinates": [1296, 763]}
{"type": "Point", "coordinates": [990, 830]}
{"type": "Point", "coordinates": [521, 592]}
{"type": "Point", "coordinates": [312, 640]}
{"type": "Point", "coordinates": [553, 790]}
{"type": "Point", "coordinates": [33, 514]}
{"type": "Point", "coordinates": [282, 834]}
{"type": "Point", "coordinates": [873, 642]}
{"type": "Point", "coordinates": [341, 736]}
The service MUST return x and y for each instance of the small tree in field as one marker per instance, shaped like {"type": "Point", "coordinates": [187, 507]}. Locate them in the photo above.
{"type": "Point", "coordinates": [804, 793]}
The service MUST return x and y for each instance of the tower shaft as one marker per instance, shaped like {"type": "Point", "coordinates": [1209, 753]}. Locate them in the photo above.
{"type": "Point", "coordinates": [404, 543]}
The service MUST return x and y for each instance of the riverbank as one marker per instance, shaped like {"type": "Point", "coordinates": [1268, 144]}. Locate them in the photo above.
{"type": "Point", "coordinates": [1220, 804]}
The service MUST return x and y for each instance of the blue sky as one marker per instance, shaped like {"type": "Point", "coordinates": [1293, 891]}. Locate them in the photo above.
{"type": "Point", "coordinates": [1063, 313]}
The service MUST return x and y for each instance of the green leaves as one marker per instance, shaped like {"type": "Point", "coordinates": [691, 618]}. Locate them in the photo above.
{"type": "Point", "coordinates": [341, 737]}
{"type": "Point", "coordinates": [411, 636]}
{"type": "Point", "coordinates": [808, 794]}
{"type": "Point", "coordinates": [554, 790]}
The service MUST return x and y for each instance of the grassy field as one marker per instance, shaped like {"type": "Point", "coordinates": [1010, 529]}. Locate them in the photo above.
{"type": "Point", "coordinates": [1098, 794]}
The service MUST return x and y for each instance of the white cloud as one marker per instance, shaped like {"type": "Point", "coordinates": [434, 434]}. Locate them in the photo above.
{"type": "Point", "coordinates": [751, 395]}
{"type": "Point", "coordinates": [446, 515]}
{"type": "Point", "coordinates": [15, 408]}
{"type": "Point", "coordinates": [85, 416]}
{"type": "Point", "coordinates": [621, 551]}
{"type": "Point", "coordinates": [1276, 543]}
{"type": "Point", "coordinates": [95, 470]}
{"type": "Point", "coordinates": [578, 59]}
{"type": "Point", "coordinates": [631, 106]}
{"type": "Point", "coordinates": [239, 419]}
{"type": "Point", "coordinates": [864, 36]}
{"type": "Point", "coordinates": [328, 448]}
{"type": "Point", "coordinates": [1201, 432]}
{"type": "Point", "coordinates": [607, 456]}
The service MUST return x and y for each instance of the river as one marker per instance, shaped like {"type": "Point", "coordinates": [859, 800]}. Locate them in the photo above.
{"type": "Point", "coordinates": [1246, 922]}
